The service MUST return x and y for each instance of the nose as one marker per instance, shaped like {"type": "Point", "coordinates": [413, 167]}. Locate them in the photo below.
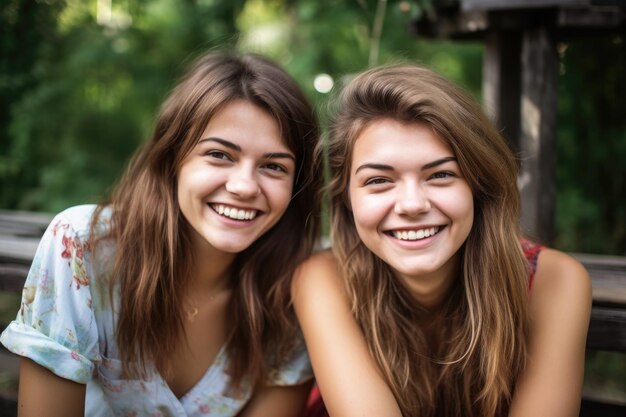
{"type": "Point", "coordinates": [412, 200]}
{"type": "Point", "coordinates": [243, 183]}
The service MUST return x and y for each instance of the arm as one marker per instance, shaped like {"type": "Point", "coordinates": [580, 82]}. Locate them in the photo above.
{"type": "Point", "coordinates": [55, 331]}
{"type": "Point", "coordinates": [345, 371]}
{"type": "Point", "coordinates": [560, 306]}
{"type": "Point", "coordinates": [277, 401]}
{"type": "Point", "coordinates": [43, 394]}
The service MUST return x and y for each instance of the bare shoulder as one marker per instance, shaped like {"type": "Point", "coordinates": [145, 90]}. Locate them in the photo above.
{"type": "Point", "coordinates": [324, 260]}
{"type": "Point", "coordinates": [561, 292]}
{"type": "Point", "coordinates": [318, 273]}
{"type": "Point", "coordinates": [561, 276]}
{"type": "Point", "coordinates": [345, 371]}
{"type": "Point", "coordinates": [559, 310]}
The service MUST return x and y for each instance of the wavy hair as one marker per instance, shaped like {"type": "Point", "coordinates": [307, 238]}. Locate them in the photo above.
{"type": "Point", "coordinates": [480, 346]}
{"type": "Point", "coordinates": [153, 257]}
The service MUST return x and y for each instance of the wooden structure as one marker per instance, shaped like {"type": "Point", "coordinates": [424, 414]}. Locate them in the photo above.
{"type": "Point", "coordinates": [520, 77]}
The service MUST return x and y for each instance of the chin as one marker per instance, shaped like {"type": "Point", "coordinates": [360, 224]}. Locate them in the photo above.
{"type": "Point", "coordinates": [415, 270]}
{"type": "Point", "coordinates": [235, 248]}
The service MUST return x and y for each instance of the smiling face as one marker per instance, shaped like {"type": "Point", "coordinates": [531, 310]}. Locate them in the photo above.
{"type": "Point", "coordinates": [411, 205]}
{"type": "Point", "coordinates": [237, 181]}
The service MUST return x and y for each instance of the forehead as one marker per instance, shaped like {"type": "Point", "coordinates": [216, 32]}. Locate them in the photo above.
{"type": "Point", "coordinates": [243, 121]}
{"type": "Point", "coordinates": [389, 139]}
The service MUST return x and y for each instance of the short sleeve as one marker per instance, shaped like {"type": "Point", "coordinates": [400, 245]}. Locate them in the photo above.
{"type": "Point", "coordinates": [55, 326]}
{"type": "Point", "coordinates": [295, 371]}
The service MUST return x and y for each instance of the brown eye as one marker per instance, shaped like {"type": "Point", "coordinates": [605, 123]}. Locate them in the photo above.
{"type": "Point", "coordinates": [442, 175]}
{"type": "Point", "coordinates": [376, 181]}
{"type": "Point", "coordinates": [275, 167]}
{"type": "Point", "coordinates": [218, 155]}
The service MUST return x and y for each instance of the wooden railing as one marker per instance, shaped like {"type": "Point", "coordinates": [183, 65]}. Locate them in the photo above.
{"type": "Point", "coordinates": [20, 233]}
{"type": "Point", "coordinates": [19, 237]}
{"type": "Point", "coordinates": [607, 329]}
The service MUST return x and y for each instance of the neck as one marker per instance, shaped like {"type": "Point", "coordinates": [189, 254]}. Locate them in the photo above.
{"type": "Point", "coordinates": [431, 290]}
{"type": "Point", "coordinates": [210, 280]}
{"type": "Point", "coordinates": [211, 270]}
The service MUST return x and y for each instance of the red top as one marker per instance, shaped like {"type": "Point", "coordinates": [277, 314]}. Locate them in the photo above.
{"type": "Point", "coordinates": [531, 251]}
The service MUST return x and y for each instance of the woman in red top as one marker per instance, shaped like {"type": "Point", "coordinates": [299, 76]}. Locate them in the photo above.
{"type": "Point", "coordinates": [423, 306]}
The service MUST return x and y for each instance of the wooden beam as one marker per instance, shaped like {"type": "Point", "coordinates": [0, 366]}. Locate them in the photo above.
{"type": "Point", "coordinates": [502, 82]}
{"type": "Point", "coordinates": [607, 329]}
{"type": "Point", "coordinates": [539, 102]}
{"type": "Point", "coordinates": [569, 21]}
{"type": "Point", "coordinates": [16, 249]}
{"type": "Point", "coordinates": [12, 277]}
{"type": "Point", "coordinates": [608, 276]}
{"type": "Point", "coordinates": [593, 408]}
{"type": "Point", "coordinates": [520, 4]}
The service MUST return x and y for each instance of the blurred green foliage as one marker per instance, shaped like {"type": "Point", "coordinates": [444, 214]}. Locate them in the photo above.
{"type": "Point", "coordinates": [81, 82]}
{"type": "Point", "coordinates": [80, 92]}
{"type": "Point", "coordinates": [591, 173]}
{"type": "Point", "coordinates": [604, 376]}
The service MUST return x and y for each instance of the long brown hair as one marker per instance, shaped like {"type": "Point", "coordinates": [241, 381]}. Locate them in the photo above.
{"type": "Point", "coordinates": [480, 347]}
{"type": "Point", "coordinates": [153, 257]}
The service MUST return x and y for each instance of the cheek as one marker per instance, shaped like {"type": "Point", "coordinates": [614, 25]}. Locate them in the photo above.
{"type": "Point", "coordinates": [182, 189]}
{"type": "Point", "coordinates": [468, 219]}
{"type": "Point", "coordinates": [368, 210]}
{"type": "Point", "coordinates": [462, 208]}
{"type": "Point", "coordinates": [195, 177]}
{"type": "Point", "coordinates": [280, 194]}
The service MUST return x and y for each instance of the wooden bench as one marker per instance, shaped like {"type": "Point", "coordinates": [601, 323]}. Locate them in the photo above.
{"type": "Point", "coordinates": [20, 233]}
{"type": "Point", "coordinates": [607, 329]}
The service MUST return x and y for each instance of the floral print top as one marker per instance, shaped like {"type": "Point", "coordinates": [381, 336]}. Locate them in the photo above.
{"type": "Point", "coordinates": [67, 323]}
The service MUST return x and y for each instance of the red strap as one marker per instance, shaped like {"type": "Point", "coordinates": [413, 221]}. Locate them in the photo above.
{"type": "Point", "coordinates": [531, 251]}
{"type": "Point", "coordinates": [314, 405]}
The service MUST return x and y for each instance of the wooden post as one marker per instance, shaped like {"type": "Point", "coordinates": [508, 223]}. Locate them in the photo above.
{"type": "Point", "coordinates": [502, 82]}
{"type": "Point", "coordinates": [539, 106]}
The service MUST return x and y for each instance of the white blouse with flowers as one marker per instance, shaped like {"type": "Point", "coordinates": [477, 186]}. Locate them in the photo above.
{"type": "Point", "coordinates": [67, 323]}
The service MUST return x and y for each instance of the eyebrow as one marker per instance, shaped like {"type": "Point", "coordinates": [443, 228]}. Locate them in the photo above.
{"type": "Point", "coordinates": [439, 162]}
{"type": "Point", "coordinates": [235, 147]}
{"type": "Point", "coordinates": [380, 167]}
{"type": "Point", "coordinates": [383, 167]}
{"type": "Point", "coordinates": [272, 155]}
{"type": "Point", "coordinates": [224, 142]}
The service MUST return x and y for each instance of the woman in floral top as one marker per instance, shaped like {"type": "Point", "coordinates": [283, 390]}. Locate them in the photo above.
{"type": "Point", "coordinates": [172, 299]}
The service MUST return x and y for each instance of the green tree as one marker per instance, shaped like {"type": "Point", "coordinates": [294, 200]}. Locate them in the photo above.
{"type": "Point", "coordinates": [591, 174]}
{"type": "Point", "coordinates": [96, 76]}
{"type": "Point", "coordinates": [96, 91]}
{"type": "Point", "coordinates": [27, 29]}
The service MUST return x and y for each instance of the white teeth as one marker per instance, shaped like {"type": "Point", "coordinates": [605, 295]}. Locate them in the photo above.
{"type": "Point", "coordinates": [415, 234]}
{"type": "Point", "coordinates": [233, 213]}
